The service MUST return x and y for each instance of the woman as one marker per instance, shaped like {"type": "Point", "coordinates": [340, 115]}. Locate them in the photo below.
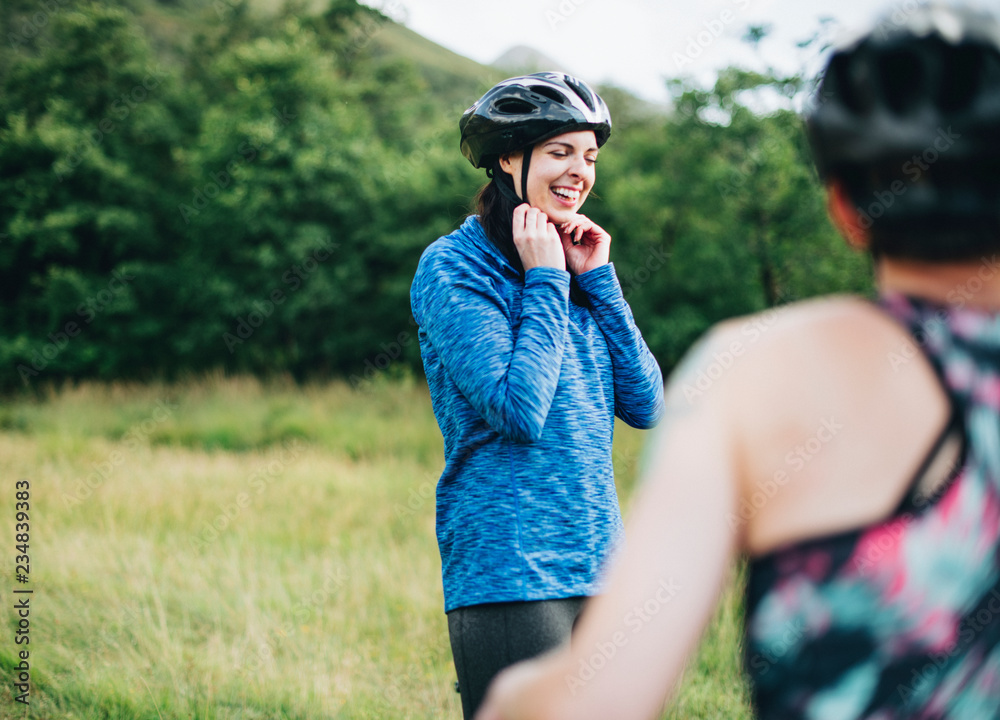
{"type": "Point", "coordinates": [530, 351]}
{"type": "Point", "coordinates": [853, 453]}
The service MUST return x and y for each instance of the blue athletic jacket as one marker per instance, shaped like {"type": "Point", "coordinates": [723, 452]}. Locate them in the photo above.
{"type": "Point", "coordinates": [525, 386]}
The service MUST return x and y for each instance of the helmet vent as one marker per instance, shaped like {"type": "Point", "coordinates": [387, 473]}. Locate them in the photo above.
{"type": "Point", "coordinates": [838, 83]}
{"type": "Point", "coordinates": [584, 94]}
{"type": "Point", "coordinates": [522, 110]}
{"type": "Point", "coordinates": [550, 93]}
{"type": "Point", "coordinates": [903, 80]}
{"type": "Point", "coordinates": [965, 65]}
{"type": "Point", "coordinates": [514, 106]}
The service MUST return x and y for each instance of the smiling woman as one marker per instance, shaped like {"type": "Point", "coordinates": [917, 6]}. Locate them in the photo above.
{"type": "Point", "coordinates": [564, 173]}
{"type": "Point", "coordinates": [862, 489]}
{"type": "Point", "coordinates": [530, 352]}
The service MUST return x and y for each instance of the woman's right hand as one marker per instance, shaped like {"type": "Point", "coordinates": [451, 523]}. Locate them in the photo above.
{"type": "Point", "coordinates": [536, 239]}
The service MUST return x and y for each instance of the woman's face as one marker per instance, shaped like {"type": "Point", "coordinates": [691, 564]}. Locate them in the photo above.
{"type": "Point", "coordinates": [560, 175]}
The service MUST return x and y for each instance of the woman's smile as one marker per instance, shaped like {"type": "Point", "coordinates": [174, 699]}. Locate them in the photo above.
{"type": "Point", "coordinates": [560, 175]}
{"type": "Point", "coordinates": [567, 196]}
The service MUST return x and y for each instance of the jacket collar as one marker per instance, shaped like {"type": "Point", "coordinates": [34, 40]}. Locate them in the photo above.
{"type": "Point", "coordinates": [473, 230]}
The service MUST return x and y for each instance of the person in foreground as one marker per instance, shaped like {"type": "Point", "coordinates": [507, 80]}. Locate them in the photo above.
{"type": "Point", "coordinates": [852, 453]}
{"type": "Point", "coordinates": [530, 352]}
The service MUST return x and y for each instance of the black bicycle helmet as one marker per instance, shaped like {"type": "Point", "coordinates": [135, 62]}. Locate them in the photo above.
{"type": "Point", "coordinates": [912, 108]}
{"type": "Point", "coordinates": [519, 112]}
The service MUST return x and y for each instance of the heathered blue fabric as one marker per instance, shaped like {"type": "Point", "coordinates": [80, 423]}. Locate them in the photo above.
{"type": "Point", "coordinates": [525, 386]}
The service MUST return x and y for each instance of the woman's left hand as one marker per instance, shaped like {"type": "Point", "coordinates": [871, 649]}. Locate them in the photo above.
{"type": "Point", "coordinates": [586, 244]}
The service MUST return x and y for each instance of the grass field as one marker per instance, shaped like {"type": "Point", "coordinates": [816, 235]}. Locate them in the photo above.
{"type": "Point", "coordinates": [223, 549]}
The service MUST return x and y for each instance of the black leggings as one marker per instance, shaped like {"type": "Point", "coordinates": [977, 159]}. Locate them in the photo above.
{"type": "Point", "coordinates": [487, 638]}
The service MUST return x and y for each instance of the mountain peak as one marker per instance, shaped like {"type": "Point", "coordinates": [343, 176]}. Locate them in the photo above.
{"type": "Point", "coordinates": [524, 59]}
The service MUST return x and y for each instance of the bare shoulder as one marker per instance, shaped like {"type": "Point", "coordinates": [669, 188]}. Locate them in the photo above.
{"type": "Point", "coordinates": [816, 321]}
{"type": "Point", "coordinates": [790, 345]}
{"type": "Point", "coordinates": [839, 352]}
{"type": "Point", "coordinates": [823, 407]}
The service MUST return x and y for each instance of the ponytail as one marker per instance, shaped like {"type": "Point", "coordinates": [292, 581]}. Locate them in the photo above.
{"type": "Point", "coordinates": [496, 215]}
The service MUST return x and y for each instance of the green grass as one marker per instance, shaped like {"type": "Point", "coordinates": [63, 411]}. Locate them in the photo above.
{"type": "Point", "coordinates": [224, 549]}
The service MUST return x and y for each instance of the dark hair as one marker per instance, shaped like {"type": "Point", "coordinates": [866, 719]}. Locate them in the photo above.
{"type": "Point", "coordinates": [945, 227]}
{"type": "Point", "coordinates": [496, 215]}
{"type": "Point", "coordinates": [906, 119]}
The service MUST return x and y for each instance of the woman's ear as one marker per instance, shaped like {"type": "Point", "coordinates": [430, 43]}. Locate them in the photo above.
{"type": "Point", "coordinates": [846, 218]}
{"type": "Point", "coordinates": [511, 164]}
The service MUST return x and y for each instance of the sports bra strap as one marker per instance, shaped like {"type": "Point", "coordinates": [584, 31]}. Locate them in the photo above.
{"type": "Point", "coordinates": [940, 467]}
{"type": "Point", "coordinates": [946, 457]}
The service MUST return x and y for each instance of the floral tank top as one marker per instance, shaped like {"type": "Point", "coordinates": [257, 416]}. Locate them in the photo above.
{"type": "Point", "coordinates": [900, 619]}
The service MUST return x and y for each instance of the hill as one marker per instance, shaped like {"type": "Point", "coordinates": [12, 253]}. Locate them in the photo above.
{"type": "Point", "coordinates": [245, 186]}
{"type": "Point", "coordinates": [453, 81]}
{"type": "Point", "coordinates": [524, 59]}
{"type": "Point", "coordinates": [452, 78]}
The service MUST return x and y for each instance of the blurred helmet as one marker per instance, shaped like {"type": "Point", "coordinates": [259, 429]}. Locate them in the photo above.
{"type": "Point", "coordinates": [913, 107]}
{"type": "Point", "coordinates": [523, 110]}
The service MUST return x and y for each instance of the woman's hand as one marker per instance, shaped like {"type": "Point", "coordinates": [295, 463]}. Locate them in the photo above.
{"type": "Point", "coordinates": [585, 243]}
{"type": "Point", "coordinates": [536, 239]}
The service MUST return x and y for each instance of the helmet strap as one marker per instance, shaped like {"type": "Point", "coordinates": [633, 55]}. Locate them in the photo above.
{"type": "Point", "coordinates": [504, 183]}
{"type": "Point", "coordinates": [525, 163]}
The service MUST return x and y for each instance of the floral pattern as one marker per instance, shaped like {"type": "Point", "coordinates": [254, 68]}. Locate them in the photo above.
{"type": "Point", "coordinates": [900, 619]}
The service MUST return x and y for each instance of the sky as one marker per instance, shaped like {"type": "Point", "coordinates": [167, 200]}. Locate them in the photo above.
{"type": "Point", "coordinates": [637, 43]}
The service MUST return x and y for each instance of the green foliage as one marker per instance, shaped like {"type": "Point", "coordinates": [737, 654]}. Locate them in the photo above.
{"type": "Point", "coordinates": [191, 186]}
{"type": "Point", "coordinates": [716, 213]}
{"type": "Point", "coordinates": [239, 207]}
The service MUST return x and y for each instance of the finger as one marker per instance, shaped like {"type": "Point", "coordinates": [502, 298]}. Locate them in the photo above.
{"type": "Point", "coordinates": [588, 224]}
{"type": "Point", "coordinates": [520, 215]}
{"type": "Point", "coordinates": [595, 231]}
{"type": "Point", "coordinates": [571, 229]}
{"type": "Point", "coordinates": [542, 222]}
{"type": "Point", "coordinates": [536, 220]}
{"type": "Point", "coordinates": [567, 242]}
{"type": "Point", "coordinates": [552, 234]}
{"type": "Point", "coordinates": [579, 235]}
{"type": "Point", "coordinates": [568, 229]}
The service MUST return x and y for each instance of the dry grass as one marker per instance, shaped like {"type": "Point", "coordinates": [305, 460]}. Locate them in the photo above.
{"type": "Point", "coordinates": [225, 549]}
